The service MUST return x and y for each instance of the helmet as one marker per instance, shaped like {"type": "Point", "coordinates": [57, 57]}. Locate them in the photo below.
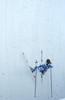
{"type": "Point", "coordinates": [48, 61]}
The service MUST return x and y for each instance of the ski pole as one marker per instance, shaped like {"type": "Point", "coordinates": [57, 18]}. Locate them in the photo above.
{"type": "Point", "coordinates": [51, 80]}
{"type": "Point", "coordinates": [41, 56]}
{"type": "Point", "coordinates": [35, 79]}
{"type": "Point", "coordinates": [41, 63]}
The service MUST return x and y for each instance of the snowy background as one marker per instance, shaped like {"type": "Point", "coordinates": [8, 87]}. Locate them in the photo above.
{"type": "Point", "coordinates": [30, 26]}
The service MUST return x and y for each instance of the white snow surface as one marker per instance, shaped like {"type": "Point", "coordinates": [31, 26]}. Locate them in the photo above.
{"type": "Point", "coordinates": [62, 99]}
{"type": "Point", "coordinates": [30, 26]}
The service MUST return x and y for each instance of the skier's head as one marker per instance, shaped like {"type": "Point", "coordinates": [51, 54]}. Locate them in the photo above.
{"type": "Point", "coordinates": [48, 61]}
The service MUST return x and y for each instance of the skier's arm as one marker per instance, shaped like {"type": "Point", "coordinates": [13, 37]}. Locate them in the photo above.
{"type": "Point", "coordinates": [50, 66]}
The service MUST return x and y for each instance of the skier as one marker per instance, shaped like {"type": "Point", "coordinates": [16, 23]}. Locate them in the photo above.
{"type": "Point", "coordinates": [43, 67]}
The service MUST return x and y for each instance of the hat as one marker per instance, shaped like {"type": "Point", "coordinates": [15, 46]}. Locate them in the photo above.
{"type": "Point", "coordinates": [48, 61]}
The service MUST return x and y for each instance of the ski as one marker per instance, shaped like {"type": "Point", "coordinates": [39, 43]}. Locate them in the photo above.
{"type": "Point", "coordinates": [28, 68]}
{"type": "Point", "coordinates": [51, 80]}
{"type": "Point", "coordinates": [35, 79]}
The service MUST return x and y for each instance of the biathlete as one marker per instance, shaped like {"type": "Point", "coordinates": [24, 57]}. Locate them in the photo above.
{"type": "Point", "coordinates": [43, 67]}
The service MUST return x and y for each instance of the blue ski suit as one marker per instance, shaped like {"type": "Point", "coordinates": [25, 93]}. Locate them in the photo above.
{"type": "Point", "coordinates": [42, 67]}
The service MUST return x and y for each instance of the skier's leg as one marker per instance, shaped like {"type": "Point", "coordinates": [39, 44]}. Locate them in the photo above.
{"type": "Point", "coordinates": [43, 72]}
{"type": "Point", "coordinates": [32, 69]}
